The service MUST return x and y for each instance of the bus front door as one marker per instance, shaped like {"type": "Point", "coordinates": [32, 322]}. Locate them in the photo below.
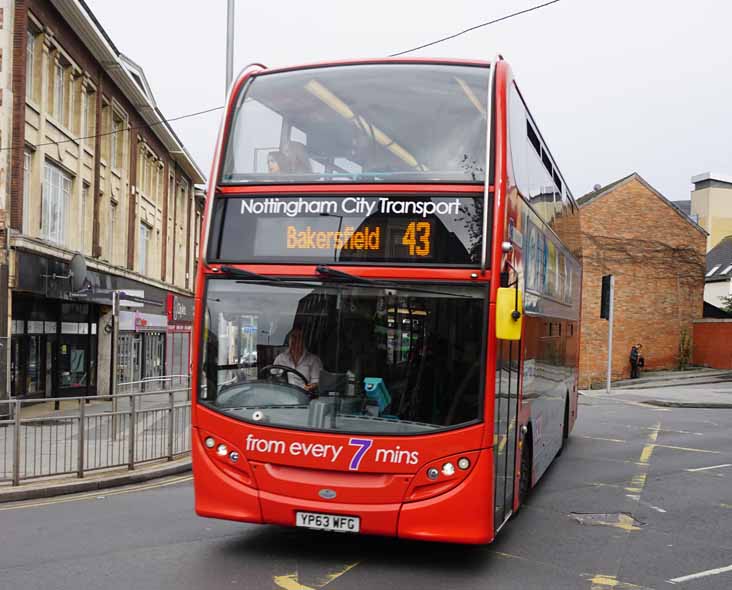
{"type": "Point", "coordinates": [505, 426]}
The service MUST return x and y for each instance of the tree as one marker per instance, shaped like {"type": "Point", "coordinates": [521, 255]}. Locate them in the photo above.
{"type": "Point", "coordinates": [727, 303]}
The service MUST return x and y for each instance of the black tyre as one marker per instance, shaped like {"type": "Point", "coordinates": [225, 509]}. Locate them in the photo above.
{"type": "Point", "coordinates": [565, 428]}
{"type": "Point", "coordinates": [526, 466]}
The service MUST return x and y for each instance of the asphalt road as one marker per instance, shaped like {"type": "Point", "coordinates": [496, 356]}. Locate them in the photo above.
{"type": "Point", "coordinates": [641, 497]}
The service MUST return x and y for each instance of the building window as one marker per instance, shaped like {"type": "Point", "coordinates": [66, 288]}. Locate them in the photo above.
{"type": "Point", "coordinates": [112, 230]}
{"type": "Point", "coordinates": [143, 171]}
{"type": "Point", "coordinates": [117, 146]}
{"type": "Point", "coordinates": [715, 269]}
{"type": "Point", "coordinates": [30, 52]}
{"type": "Point", "coordinates": [113, 144]}
{"type": "Point", "coordinates": [143, 249]}
{"type": "Point", "coordinates": [27, 158]}
{"type": "Point", "coordinates": [58, 92]}
{"type": "Point", "coordinates": [82, 214]}
{"type": "Point", "coordinates": [56, 193]}
{"type": "Point", "coordinates": [88, 124]}
{"type": "Point", "coordinates": [83, 114]}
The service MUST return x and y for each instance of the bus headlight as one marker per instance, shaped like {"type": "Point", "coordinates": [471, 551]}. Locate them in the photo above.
{"type": "Point", "coordinates": [432, 473]}
{"type": "Point", "coordinates": [234, 456]}
{"type": "Point", "coordinates": [222, 450]}
{"type": "Point", "coordinates": [463, 463]}
{"type": "Point", "coordinates": [448, 469]}
{"type": "Point", "coordinates": [210, 442]}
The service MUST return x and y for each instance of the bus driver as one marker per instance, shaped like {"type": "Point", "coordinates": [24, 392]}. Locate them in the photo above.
{"type": "Point", "coordinates": [298, 358]}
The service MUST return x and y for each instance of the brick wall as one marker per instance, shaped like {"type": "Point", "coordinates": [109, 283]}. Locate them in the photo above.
{"type": "Point", "coordinates": [712, 339]}
{"type": "Point", "coordinates": [658, 260]}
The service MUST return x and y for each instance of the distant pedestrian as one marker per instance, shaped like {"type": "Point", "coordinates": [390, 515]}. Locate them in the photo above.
{"type": "Point", "coordinates": [634, 356]}
{"type": "Point", "coordinates": [641, 360]}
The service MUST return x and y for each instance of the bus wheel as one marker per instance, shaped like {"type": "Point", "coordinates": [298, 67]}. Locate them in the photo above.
{"type": "Point", "coordinates": [565, 428]}
{"type": "Point", "coordinates": [526, 459]}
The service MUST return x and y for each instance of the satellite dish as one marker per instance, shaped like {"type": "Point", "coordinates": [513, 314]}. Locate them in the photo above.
{"type": "Point", "coordinates": [77, 270]}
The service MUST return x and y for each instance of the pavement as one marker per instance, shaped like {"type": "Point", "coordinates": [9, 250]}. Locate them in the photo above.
{"type": "Point", "coordinates": [49, 445]}
{"type": "Point", "coordinates": [47, 488]}
{"type": "Point", "coordinates": [697, 388]}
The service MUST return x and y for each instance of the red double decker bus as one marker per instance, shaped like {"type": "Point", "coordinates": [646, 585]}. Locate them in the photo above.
{"type": "Point", "coordinates": [387, 305]}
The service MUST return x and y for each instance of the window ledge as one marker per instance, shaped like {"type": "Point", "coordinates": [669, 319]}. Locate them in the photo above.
{"type": "Point", "coordinates": [34, 106]}
{"type": "Point", "coordinates": [62, 129]}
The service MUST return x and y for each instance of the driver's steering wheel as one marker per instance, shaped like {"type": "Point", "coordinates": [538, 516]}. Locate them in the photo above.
{"type": "Point", "coordinates": [269, 368]}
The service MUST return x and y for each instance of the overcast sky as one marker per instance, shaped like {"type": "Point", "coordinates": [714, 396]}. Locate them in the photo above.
{"type": "Point", "coordinates": [616, 86]}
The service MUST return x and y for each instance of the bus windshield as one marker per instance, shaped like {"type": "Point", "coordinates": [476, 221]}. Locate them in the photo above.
{"type": "Point", "coordinates": [349, 357]}
{"type": "Point", "coordinates": [365, 123]}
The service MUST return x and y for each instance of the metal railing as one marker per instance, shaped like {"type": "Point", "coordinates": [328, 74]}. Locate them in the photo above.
{"type": "Point", "coordinates": [94, 433]}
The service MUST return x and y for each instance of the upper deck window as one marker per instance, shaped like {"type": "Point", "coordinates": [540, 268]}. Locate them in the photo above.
{"type": "Point", "coordinates": [366, 123]}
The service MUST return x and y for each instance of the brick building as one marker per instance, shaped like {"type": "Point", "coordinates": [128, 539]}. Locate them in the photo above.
{"type": "Point", "coordinates": [656, 254]}
{"type": "Point", "coordinates": [95, 169]}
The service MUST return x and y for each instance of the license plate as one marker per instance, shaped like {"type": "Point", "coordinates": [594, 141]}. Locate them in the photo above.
{"type": "Point", "coordinates": [328, 522]}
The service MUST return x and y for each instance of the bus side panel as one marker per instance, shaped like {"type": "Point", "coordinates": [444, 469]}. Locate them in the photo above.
{"type": "Point", "coordinates": [216, 494]}
{"type": "Point", "coordinates": [462, 515]}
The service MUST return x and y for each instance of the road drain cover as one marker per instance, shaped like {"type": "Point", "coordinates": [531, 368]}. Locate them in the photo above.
{"type": "Point", "coordinates": [620, 520]}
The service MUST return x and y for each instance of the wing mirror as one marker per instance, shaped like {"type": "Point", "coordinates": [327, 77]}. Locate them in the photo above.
{"type": "Point", "coordinates": [509, 314]}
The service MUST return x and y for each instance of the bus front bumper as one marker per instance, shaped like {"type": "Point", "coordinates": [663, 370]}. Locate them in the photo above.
{"type": "Point", "coordinates": [460, 515]}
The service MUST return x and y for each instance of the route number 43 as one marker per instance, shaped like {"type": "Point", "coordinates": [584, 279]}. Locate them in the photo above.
{"type": "Point", "coordinates": [417, 238]}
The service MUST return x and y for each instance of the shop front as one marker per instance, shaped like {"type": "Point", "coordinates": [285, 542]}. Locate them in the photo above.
{"type": "Point", "coordinates": [53, 348]}
{"type": "Point", "coordinates": [141, 346]}
{"type": "Point", "coordinates": [61, 341]}
{"type": "Point", "coordinates": [178, 341]}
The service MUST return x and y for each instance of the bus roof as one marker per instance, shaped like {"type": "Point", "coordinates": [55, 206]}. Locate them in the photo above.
{"type": "Point", "coordinates": [377, 60]}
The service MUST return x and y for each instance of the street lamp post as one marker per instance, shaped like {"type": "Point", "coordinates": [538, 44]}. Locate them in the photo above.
{"type": "Point", "coordinates": [229, 43]}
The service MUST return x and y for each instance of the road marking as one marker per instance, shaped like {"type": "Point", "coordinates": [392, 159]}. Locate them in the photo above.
{"type": "Point", "coordinates": [97, 494]}
{"type": "Point", "coordinates": [637, 483]}
{"type": "Point", "coordinates": [600, 484]}
{"type": "Point", "coordinates": [714, 572]}
{"type": "Point", "coordinates": [615, 440]}
{"type": "Point", "coordinates": [603, 582]}
{"type": "Point", "coordinates": [689, 449]}
{"type": "Point", "coordinates": [682, 432]}
{"type": "Point", "coordinates": [648, 449]}
{"type": "Point", "coordinates": [637, 499]}
{"type": "Point", "coordinates": [292, 582]}
{"type": "Point", "coordinates": [708, 468]}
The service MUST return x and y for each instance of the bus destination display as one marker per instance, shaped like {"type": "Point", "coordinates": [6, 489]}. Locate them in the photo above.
{"type": "Point", "coordinates": [354, 228]}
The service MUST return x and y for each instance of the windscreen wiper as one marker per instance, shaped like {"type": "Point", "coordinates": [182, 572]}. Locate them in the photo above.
{"type": "Point", "coordinates": [339, 274]}
{"type": "Point", "coordinates": [246, 274]}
